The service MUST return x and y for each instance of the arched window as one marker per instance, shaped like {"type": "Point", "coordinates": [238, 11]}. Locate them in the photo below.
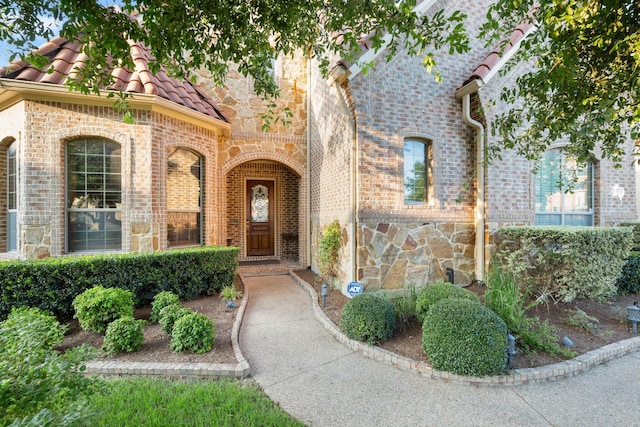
{"type": "Point", "coordinates": [564, 191]}
{"type": "Point", "coordinates": [94, 195]}
{"type": "Point", "coordinates": [184, 198]}
{"type": "Point", "coordinates": [12, 198]}
{"type": "Point", "coordinates": [417, 172]}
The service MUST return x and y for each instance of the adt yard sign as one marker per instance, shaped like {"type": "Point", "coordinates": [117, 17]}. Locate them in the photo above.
{"type": "Point", "coordinates": [354, 288]}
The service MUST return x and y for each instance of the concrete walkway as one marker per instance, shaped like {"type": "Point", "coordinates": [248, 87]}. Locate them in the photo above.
{"type": "Point", "coordinates": [322, 382]}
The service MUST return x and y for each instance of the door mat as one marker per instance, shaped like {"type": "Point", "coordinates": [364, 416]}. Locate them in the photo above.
{"type": "Point", "coordinates": [254, 263]}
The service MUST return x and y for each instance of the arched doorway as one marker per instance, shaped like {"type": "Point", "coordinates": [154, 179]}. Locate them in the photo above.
{"type": "Point", "coordinates": [263, 210]}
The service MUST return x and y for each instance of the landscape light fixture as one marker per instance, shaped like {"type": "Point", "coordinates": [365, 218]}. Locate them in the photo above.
{"type": "Point", "coordinates": [324, 294]}
{"type": "Point", "coordinates": [511, 349]}
{"type": "Point", "coordinates": [633, 316]}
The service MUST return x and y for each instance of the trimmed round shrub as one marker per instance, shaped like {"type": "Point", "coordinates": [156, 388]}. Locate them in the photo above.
{"type": "Point", "coordinates": [464, 337]}
{"type": "Point", "coordinates": [194, 332]}
{"type": "Point", "coordinates": [97, 307]}
{"type": "Point", "coordinates": [123, 335]}
{"type": "Point", "coordinates": [30, 327]}
{"type": "Point", "coordinates": [160, 301]}
{"type": "Point", "coordinates": [369, 318]}
{"type": "Point", "coordinates": [170, 314]}
{"type": "Point", "coordinates": [439, 291]}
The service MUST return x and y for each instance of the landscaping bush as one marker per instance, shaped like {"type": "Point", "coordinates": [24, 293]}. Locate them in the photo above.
{"type": "Point", "coordinates": [368, 318]}
{"type": "Point", "coordinates": [97, 307]}
{"type": "Point", "coordinates": [565, 263]}
{"type": "Point", "coordinates": [436, 292]}
{"type": "Point", "coordinates": [464, 337]}
{"type": "Point", "coordinates": [170, 314]}
{"type": "Point", "coordinates": [52, 283]}
{"type": "Point", "coordinates": [194, 332]}
{"type": "Point", "coordinates": [37, 383]}
{"type": "Point", "coordinates": [404, 306]}
{"type": "Point", "coordinates": [635, 231]}
{"type": "Point", "coordinates": [160, 301]}
{"type": "Point", "coordinates": [509, 301]}
{"type": "Point", "coordinates": [329, 246]}
{"type": "Point", "coordinates": [123, 335]}
{"type": "Point", "coordinates": [629, 280]}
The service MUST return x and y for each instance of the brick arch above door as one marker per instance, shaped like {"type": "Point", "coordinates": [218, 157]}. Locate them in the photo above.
{"type": "Point", "coordinates": [279, 156]}
{"type": "Point", "coordinates": [288, 201]}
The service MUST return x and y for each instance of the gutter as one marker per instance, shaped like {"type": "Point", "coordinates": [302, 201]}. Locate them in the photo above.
{"type": "Point", "coordinates": [465, 93]}
{"type": "Point", "coordinates": [421, 8]}
{"type": "Point", "coordinates": [14, 91]}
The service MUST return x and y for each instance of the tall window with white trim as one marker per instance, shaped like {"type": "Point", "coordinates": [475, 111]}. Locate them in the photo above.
{"type": "Point", "coordinates": [184, 198]}
{"type": "Point", "coordinates": [418, 186]}
{"type": "Point", "coordinates": [564, 191]}
{"type": "Point", "coordinates": [94, 195]}
{"type": "Point", "coordinates": [12, 198]}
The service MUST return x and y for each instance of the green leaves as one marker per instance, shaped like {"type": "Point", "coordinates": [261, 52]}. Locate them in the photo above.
{"type": "Point", "coordinates": [189, 35]}
{"type": "Point", "coordinates": [35, 379]}
{"type": "Point", "coordinates": [583, 85]}
{"type": "Point", "coordinates": [194, 332]}
{"type": "Point", "coordinates": [97, 307]}
{"type": "Point", "coordinates": [329, 246]}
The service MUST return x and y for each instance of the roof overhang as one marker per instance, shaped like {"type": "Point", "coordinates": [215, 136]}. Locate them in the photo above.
{"type": "Point", "coordinates": [421, 8]}
{"type": "Point", "coordinates": [479, 82]}
{"type": "Point", "coordinates": [14, 91]}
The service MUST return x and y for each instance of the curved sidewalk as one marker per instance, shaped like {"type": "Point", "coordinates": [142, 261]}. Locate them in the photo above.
{"type": "Point", "coordinates": [322, 382]}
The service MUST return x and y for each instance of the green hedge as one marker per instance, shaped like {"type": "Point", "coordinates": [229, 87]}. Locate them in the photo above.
{"type": "Point", "coordinates": [52, 283]}
{"type": "Point", "coordinates": [635, 227]}
{"type": "Point", "coordinates": [565, 263]}
{"type": "Point", "coordinates": [629, 280]}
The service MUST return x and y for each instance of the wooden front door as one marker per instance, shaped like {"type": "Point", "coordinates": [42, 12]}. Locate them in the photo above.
{"type": "Point", "coordinates": [260, 220]}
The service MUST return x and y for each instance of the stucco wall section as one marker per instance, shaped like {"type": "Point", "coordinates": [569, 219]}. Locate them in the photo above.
{"type": "Point", "coordinates": [12, 130]}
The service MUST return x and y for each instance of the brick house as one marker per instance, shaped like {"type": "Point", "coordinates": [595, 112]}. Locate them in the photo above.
{"type": "Point", "coordinates": [392, 155]}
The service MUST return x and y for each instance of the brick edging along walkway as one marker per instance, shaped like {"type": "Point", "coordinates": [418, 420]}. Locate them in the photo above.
{"type": "Point", "coordinates": [242, 369]}
{"type": "Point", "coordinates": [192, 371]}
{"type": "Point", "coordinates": [557, 371]}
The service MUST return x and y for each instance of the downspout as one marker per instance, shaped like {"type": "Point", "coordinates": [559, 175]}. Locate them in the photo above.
{"type": "Point", "coordinates": [465, 93]}
{"type": "Point", "coordinates": [307, 224]}
{"type": "Point", "coordinates": [354, 201]}
{"type": "Point", "coordinates": [338, 76]}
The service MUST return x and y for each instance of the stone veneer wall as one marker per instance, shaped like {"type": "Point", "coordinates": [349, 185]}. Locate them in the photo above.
{"type": "Point", "coordinates": [281, 150]}
{"type": "Point", "coordinates": [395, 256]}
{"type": "Point", "coordinates": [245, 109]}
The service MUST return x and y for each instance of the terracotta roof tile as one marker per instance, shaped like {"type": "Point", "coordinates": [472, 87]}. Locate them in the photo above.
{"type": "Point", "coordinates": [66, 56]}
{"type": "Point", "coordinates": [494, 57]}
